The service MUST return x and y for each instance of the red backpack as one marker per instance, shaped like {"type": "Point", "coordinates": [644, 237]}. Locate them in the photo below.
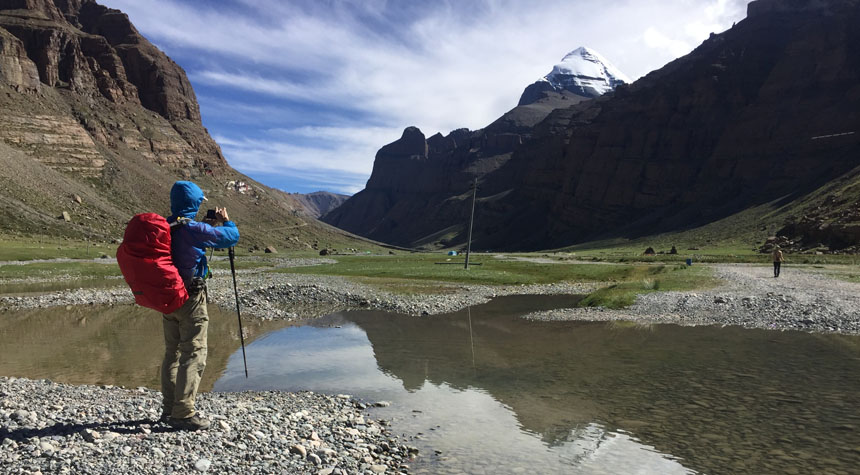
{"type": "Point", "coordinates": [145, 262]}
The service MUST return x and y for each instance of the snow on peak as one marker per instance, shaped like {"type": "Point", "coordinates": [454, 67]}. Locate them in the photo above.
{"type": "Point", "coordinates": [585, 72]}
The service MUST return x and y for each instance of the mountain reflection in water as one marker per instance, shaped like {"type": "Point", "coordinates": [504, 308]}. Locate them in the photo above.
{"type": "Point", "coordinates": [594, 395]}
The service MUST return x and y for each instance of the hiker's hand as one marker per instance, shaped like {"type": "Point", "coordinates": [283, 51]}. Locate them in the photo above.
{"type": "Point", "coordinates": [222, 214]}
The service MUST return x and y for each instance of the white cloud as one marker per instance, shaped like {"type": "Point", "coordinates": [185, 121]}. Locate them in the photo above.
{"type": "Point", "coordinates": [457, 64]}
{"type": "Point", "coordinates": [332, 155]}
{"type": "Point", "coordinates": [657, 40]}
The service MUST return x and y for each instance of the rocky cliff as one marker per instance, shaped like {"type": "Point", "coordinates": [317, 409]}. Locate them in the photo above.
{"type": "Point", "coordinates": [418, 193]}
{"type": "Point", "coordinates": [765, 110]}
{"type": "Point", "coordinates": [97, 122]}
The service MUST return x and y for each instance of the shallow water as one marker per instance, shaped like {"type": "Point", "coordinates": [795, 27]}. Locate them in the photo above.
{"type": "Point", "coordinates": [496, 394]}
{"type": "Point", "coordinates": [118, 344]}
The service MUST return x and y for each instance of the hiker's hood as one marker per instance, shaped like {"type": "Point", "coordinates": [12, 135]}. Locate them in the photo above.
{"type": "Point", "coordinates": [185, 199]}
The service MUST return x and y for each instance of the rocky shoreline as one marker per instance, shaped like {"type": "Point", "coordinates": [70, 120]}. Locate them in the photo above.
{"type": "Point", "coordinates": [801, 299]}
{"type": "Point", "coordinates": [798, 300]}
{"type": "Point", "coordinates": [287, 296]}
{"type": "Point", "coordinates": [47, 427]}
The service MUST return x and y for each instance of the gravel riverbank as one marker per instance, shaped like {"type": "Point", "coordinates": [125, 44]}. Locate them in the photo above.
{"type": "Point", "coordinates": [287, 296]}
{"type": "Point", "coordinates": [799, 299]}
{"type": "Point", "coordinates": [47, 427]}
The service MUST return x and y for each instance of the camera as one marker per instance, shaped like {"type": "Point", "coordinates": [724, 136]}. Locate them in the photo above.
{"type": "Point", "coordinates": [211, 215]}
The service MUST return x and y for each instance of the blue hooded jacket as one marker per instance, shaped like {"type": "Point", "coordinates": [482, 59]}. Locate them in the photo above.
{"type": "Point", "coordinates": [189, 241]}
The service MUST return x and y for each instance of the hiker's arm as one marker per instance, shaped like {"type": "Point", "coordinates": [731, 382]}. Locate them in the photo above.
{"type": "Point", "coordinates": [221, 237]}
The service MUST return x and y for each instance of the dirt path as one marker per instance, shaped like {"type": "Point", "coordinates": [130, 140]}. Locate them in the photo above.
{"type": "Point", "coordinates": [800, 299]}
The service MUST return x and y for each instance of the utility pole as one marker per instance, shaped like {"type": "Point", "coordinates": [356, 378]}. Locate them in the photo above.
{"type": "Point", "coordinates": [471, 221]}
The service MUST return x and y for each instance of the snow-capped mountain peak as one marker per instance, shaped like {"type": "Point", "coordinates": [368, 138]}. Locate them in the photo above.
{"type": "Point", "coordinates": [583, 71]}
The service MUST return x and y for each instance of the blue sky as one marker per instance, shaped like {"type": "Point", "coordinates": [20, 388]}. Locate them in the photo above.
{"type": "Point", "coordinates": [300, 94]}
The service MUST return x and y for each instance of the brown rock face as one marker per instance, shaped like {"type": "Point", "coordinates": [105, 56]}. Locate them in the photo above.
{"type": "Point", "coordinates": [88, 47]}
{"type": "Point", "coordinates": [768, 109]}
{"type": "Point", "coordinates": [94, 58]}
{"type": "Point", "coordinates": [97, 123]}
{"type": "Point", "coordinates": [16, 69]}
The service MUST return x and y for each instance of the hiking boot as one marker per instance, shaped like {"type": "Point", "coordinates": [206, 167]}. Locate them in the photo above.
{"type": "Point", "coordinates": [189, 423]}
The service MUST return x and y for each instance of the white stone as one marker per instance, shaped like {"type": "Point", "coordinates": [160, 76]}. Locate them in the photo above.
{"type": "Point", "coordinates": [202, 465]}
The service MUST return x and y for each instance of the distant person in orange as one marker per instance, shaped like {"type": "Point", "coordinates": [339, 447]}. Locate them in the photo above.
{"type": "Point", "coordinates": [778, 259]}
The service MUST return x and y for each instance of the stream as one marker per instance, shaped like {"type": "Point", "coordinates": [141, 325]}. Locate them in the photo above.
{"type": "Point", "coordinates": [483, 391]}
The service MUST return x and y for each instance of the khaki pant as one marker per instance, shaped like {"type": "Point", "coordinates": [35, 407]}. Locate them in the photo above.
{"type": "Point", "coordinates": [184, 353]}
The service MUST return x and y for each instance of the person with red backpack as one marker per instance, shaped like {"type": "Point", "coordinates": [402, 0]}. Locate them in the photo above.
{"type": "Point", "coordinates": [185, 329]}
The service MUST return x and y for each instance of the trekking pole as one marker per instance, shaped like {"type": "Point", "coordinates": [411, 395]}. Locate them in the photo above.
{"type": "Point", "coordinates": [238, 314]}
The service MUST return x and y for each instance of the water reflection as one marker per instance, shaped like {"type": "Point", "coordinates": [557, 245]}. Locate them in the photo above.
{"type": "Point", "coordinates": [606, 398]}
{"type": "Point", "coordinates": [119, 345]}
{"type": "Point", "coordinates": [494, 393]}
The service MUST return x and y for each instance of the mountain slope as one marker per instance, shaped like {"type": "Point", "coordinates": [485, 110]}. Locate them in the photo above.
{"type": "Point", "coordinates": [767, 110]}
{"type": "Point", "coordinates": [319, 203]}
{"type": "Point", "coordinates": [99, 123]}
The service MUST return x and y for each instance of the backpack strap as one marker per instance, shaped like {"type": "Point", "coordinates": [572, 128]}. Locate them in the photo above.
{"type": "Point", "coordinates": [180, 221]}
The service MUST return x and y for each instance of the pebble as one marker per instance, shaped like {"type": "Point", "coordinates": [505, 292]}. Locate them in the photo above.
{"type": "Point", "coordinates": [300, 450]}
{"type": "Point", "coordinates": [119, 446]}
{"type": "Point", "coordinates": [202, 465]}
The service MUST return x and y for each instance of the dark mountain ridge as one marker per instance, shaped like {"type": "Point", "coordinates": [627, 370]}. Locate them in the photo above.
{"type": "Point", "coordinates": [765, 110]}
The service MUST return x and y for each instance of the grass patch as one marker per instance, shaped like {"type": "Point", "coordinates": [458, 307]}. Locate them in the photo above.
{"type": "Point", "coordinates": [843, 273]}
{"type": "Point", "coordinates": [650, 279]}
{"type": "Point", "coordinates": [492, 271]}
{"type": "Point", "coordinates": [75, 270]}
{"type": "Point", "coordinates": [704, 255]}
{"type": "Point", "coordinates": [44, 248]}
